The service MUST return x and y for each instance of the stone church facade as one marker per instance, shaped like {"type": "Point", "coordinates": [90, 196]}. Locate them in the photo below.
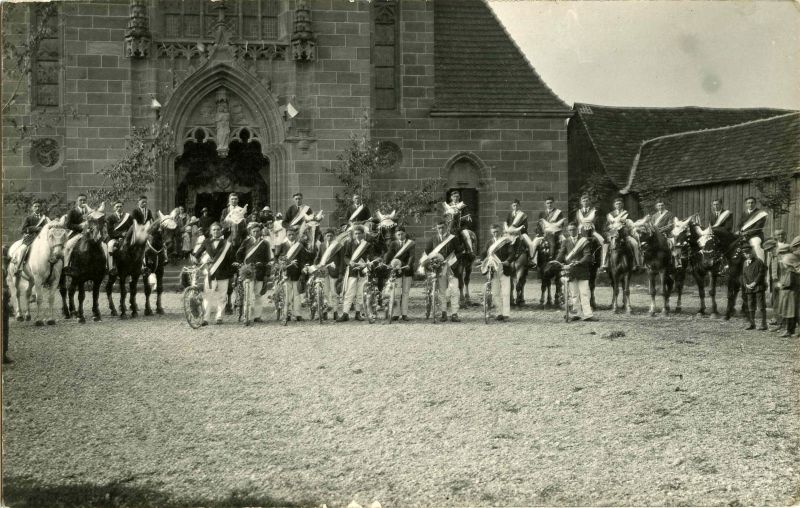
{"type": "Point", "coordinates": [262, 95]}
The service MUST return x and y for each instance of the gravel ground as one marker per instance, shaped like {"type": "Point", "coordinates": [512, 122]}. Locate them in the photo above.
{"type": "Point", "coordinates": [678, 411]}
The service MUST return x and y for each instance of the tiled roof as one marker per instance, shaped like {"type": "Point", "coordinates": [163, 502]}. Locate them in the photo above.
{"type": "Point", "coordinates": [618, 132]}
{"type": "Point", "coordinates": [479, 69]}
{"type": "Point", "coordinates": [740, 152]}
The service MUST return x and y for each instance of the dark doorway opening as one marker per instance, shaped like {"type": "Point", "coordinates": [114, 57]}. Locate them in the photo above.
{"type": "Point", "coordinates": [217, 201]}
{"type": "Point", "coordinates": [469, 195]}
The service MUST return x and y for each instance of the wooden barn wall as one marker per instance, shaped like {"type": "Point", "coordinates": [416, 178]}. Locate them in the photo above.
{"type": "Point", "coordinates": [688, 200]}
{"type": "Point", "coordinates": [582, 159]}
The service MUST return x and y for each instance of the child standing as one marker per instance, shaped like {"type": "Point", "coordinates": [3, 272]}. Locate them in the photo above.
{"type": "Point", "coordinates": [754, 287]}
{"type": "Point", "coordinates": [790, 287]}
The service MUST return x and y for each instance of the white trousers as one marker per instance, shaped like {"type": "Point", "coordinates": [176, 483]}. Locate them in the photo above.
{"type": "Point", "coordinates": [581, 296]}
{"type": "Point", "coordinates": [256, 300]}
{"type": "Point", "coordinates": [354, 293]}
{"type": "Point", "coordinates": [402, 290]}
{"type": "Point", "coordinates": [533, 246]}
{"type": "Point", "coordinates": [501, 294]}
{"type": "Point", "coordinates": [448, 289]}
{"type": "Point", "coordinates": [329, 290]}
{"type": "Point", "coordinates": [755, 242]}
{"type": "Point", "coordinates": [294, 298]}
{"type": "Point", "coordinates": [69, 246]}
{"type": "Point", "coordinates": [215, 296]}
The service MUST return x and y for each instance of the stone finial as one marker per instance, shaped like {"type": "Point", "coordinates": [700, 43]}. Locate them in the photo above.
{"type": "Point", "coordinates": [137, 35]}
{"type": "Point", "coordinates": [304, 43]}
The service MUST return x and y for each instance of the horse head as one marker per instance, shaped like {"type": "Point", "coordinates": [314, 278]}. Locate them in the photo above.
{"type": "Point", "coordinates": [708, 244]}
{"type": "Point", "coordinates": [166, 221]}
{"type": "Point", "coordinates": [56, 234]}
{"type": "Point", "coordinates": [139, 232]}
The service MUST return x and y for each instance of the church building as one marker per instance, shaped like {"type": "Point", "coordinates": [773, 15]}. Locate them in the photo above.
{"type": "Point", "coordinates": [262, 95]}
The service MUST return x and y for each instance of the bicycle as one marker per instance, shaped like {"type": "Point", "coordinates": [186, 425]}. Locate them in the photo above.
{"type": "Point", "coordinates": [395, 270]}
{"type": "Point", "coordinates": [565, 277]}
{"type": "Point", "coordinates": [433, 267]}
{"type": "Point", "coordinates": [370, 291]}
{"type": "Point", "coordinates": [490, 271]}
{"type": "Point", "coordinates": [244, 280]}
{"type": "Point", "coordinates": [193, 301]}
{"type": "Point", "coordinates": [315, 292]}
{"type": "Point", "coordinates": [279, 292]}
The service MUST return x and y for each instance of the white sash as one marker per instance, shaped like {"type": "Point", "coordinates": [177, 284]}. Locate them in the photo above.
{"type": "Point", "coordinates": [403, 249]}
{"type": "Point", "coordinates": [554, 215]}
{"type": "Point", "coordinates": [359, 250]}
{"type": "Point", "coordinates": [588, 218]}
{"type": "Point", "coordinates": [518, 218]}
{"type": "Point", "coordinates": [619, 219]}
{"type": "Point", "coordinates": [219, 259]}
{"type": "Point", "coordinates": [497, 244]}
{"type": "Point", "coordinates": [301, 214]}
{"type": "Point", "coordinates": [552, 227]}
{"type": "Point", "coordinates": [293, 251]}
{"type": "Point", "coordinates": [580, 244]}
{"type": "Point", "coordinates": [356, 212]}
{"type": "Point", "coordinates": [253, 249]}
{"type": "Point", "coordinates": [436, 250]}
{"type": "Point", "coordinates": [329, 251]}
{"type": "Point", "coordinates": [122, 221]}
{"type": "Point", "coordinates": [755, 218]}
{"type": "Point", "coordinates": [659, 217]}
{"type": "Point", "coordinates": [723, 216]}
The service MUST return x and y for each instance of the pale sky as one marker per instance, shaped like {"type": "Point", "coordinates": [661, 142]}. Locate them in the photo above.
{"type": "Point", "coordinates": [741, 53]}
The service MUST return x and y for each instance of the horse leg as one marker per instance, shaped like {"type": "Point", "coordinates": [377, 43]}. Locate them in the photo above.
{"type": "Point", "coordinates": [159, 290]}
{"type": "Point", "coordinates": [652, 290]}
{"type": "Point", "coordinates": [626, 292]}
{"type": "Point", "coordinates": [109, 290]}
{"type": "Point", "coordinates": [614, 291]}
{"type": "Point", "coordinates": [96, 301]}
{"type": "Point", "coordinates": [731, 304]}
{"type": "Point", "coordinates": [73, 285]}
{"type": "Point", "coordinates": [132, 298]}
{"type": "Point", "coordinates": [592, 284]}
{"type": "Point", "coordinates": [522, 279]}
{"type": "Point", "coordinates": [549, 289]}
{"type": "Point", "coordinates": [81, 298]}
{"type": "Point", "coordinates": [51, 296]}
{"type": "Point", "coordinates": [17, 300]}
{"type": "Point", "coordinates": [37, 291]}
{"type": "Point", "coordinates": [666, 289]}
{"type": "Point", "coordinates": [544, 288]}
{"type": "Point", "coordinates": [62, 289]}
{"type": "Point", "coordinates": [148, 311]}
{"type": "Point", "coordinates": [712, 292]}
{"type": "Point", "coordinates": [680, 279]}
{"type": "Point", "coordinates": [701, 291]}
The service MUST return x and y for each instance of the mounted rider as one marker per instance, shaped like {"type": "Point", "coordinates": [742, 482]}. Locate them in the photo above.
{"type": "Point", "coordinates": [618, 219]}
{"type": "Point", "coordinates": [751, 226]}
{"type": "Point", "coordinates": [499, 253]}
{"type": "Point", "coordinates": [297, 212]}
{"type": "Point", "coordinates": [401, 255]}
{"type": "Point", "coordinates": [74, 221]}
{"type": "Point", "coordinates": [551, 220]}
{"type": "Point", "coordinates": [232, 220]}
{"type": "Point", "coordinates": [584, 218]}
{"type": "Point", "coordinates": [449, 247]}
{"type": "Point", "coordinates": [357, 254]}
{"type": "Point", "coordinates": [358, 212]}
{"type": "Point", "coordinates": [31, 227]}
{"type": "Point", "coordinates": [459, 217]}
{"type": "Point", "coordinates": [516, 224]}
{"type": "Point", "coordinates": [720, 219]}
{"type": "Point", "coordinates": [255, 250]}
{"type": "Point", "coordinates": [141, 214]}
{"type": "Point", "coordinates": [117, 224]}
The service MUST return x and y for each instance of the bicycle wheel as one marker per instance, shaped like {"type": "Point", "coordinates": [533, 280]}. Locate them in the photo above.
{"type": "Point", "coordinates": [285, 317]}
{"type": "Point", "coordinates": [247, 301]}
{"type": "Point", "coordinates": [435, 301]}
{"type": "Point", "coordinates": [565, 285]}
{"type": "Point", "coordinates": [193, 306]}
{"type": "Point", "coordinates": [428, 299]}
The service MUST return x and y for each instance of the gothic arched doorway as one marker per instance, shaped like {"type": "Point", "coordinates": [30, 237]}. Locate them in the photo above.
{"type": "Point", "coordinates": [207, 175]}
{"type": "Point", "coordinates": [464, 176]}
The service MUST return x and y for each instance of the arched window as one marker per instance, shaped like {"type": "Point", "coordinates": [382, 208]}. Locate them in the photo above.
{"type": "Point", "coordinates": [252, 20]}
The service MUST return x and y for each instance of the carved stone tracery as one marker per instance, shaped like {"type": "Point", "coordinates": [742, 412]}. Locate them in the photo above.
{"type": "Point", "coordinates": [304, 43]}
{"type": "Point", "coordinates": [137, 35]}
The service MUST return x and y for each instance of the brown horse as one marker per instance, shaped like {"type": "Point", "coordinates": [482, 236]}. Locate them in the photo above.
{"type": "Point", "coordinates": [657, 258]}
{"type": "Point", "coordinates": [547, 251]}
{"type": "Point", "coordinates": [620, 266]}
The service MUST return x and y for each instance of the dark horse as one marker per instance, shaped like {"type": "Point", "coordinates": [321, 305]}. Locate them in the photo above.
{"type": "Point", "coordinates": [381, 238]}
{"type": "Point", "coordinates": [687, 256]}
{"type": "Point", "coordinates": [155, 258]}
{"type": "Point", "coordinates": [520, 276]}
{"type": "Point", "coordinates": [87, 264]}
{"type": "Point", "coordinates": [657, 258]}
{"type": "Point", "coordinates": [462, 269]}
{"type": "Point", "coordinates": [620, 266]}
{"type": "Point", "coordinates": [547, 251]}
{"type": "Point", "coordinates": [128, 260]}
{"type": "Point", "coordinates": [720, 253]}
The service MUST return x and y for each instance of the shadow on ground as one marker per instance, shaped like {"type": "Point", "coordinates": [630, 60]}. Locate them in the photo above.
{"type": "Point", "coordinates": [27, 493]}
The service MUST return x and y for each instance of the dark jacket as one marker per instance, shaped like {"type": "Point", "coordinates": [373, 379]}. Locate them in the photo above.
{"type": "Point", "coordinates": [507, 254]}
{"type": "Point", "coordinates": [337, 258]}
{"type": "Point", "coordinates": [291, 213]}
{"type": "Point", "coordinates": [665, 223]}
{"type": "Point", "coordinates": [118, 226]}
{"type": "Point", "coordinates": [453, 246]}
{"type": "Point", "coordinates": [204, 223]}
{"type": "Point", "coordinates": [725, 225]}
{"type": "Point", "coordinates": [756, 229]}
{"type": "Point", "coordinates": [31, 227]}
{"type": "Point", "coordinates": [550, 217]}
{"type": "Point", "coordinates": [367, 255]}
{"type": "Point", "coordinates": [140, 217]}
{"type": "Point", "coordinates": [363, 215]}
{"type": "Point", "coordinates": [260, 257]}
{"type": "Point", "coordinates": [75, 220]}
{"type": "Point", "coordinates": [754, 271]}
{"type": "Point", "coordinates": [225, 269]}
{"type": "Point", "coordinates": [461, 220]}
{"type": "Point", "coordinates": [294, 270]}
{"type": "Point", "coordinates": [523, 223]}
{"type": "Point", "coordinates": [583, 263]}
{"type": "Point", "coordinates": [407, 258]}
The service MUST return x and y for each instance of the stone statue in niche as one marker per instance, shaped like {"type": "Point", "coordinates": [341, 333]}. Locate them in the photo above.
{"type": "Point", "coordinates": [223, 121]}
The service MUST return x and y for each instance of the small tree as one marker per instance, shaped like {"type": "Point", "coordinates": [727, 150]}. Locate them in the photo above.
{"type": "Point", "coordinates": [414, 203]}
{"type": "Point", "coordinates": [776, 194]}
{"type": "Point", "coordinates": [136, 171]}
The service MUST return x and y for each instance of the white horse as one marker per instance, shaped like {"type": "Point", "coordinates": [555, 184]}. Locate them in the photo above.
{"type": "Point", "coordinates": [41, 272]}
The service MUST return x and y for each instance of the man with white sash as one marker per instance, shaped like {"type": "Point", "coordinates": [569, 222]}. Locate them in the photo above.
{"type": "Point", "coordinates": [720, 219]}
{"type": "Point", "coordinates": [401, 251]}
{"type": "Point", "coordinates": [297, 257]}
{"type": "Point", "coordinates": [618, 219]}
{"type": "Point", "coordinates": [449, 247]}
{"type": "Point", "coordinates": [256, 251]}
{"type": "Point", "coordinates": [752, 226]}
{"type": "Point", "coordinates": [500, 253]}
{"type": "Point", "coordinates": [75, 220]}
{"type": "Point", "coordinates": [585, 217]}
{"type": "Point", "coordinates": [117, 224]}
{"type": "Point", "coordinates": [30, 230]}
{"type": "Point", "coordinates": [330, 259]}
{"type": "Point", "coordinates": [577, 253]}
{"type": "Point", "coordinates": [217, 252]}
{"type": "Point", "coordinates": [298, 212]}
{"type": "Point", "coordinates": [517, 223]}
{"type": "Point", "coordinates": [458, 214]}
{"type": "Point", "coordinates": [550, 220]}
{"type": "Point", "coordinates": [358, 212]}
{"type": "Point", "coordinates": [357, 253]}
